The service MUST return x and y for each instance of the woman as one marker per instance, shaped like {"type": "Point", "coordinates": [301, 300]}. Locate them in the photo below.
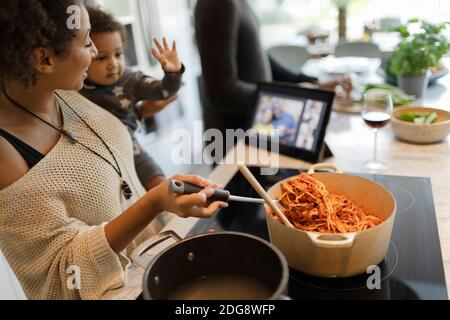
{"type": "Point", "coordinates": [233, 62]}
{"type": "Point", "coordinates": [70, 198]}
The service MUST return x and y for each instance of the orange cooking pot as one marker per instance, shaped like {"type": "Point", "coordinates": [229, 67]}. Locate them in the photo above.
{"type": "Point", "coordinates": [341, 254]}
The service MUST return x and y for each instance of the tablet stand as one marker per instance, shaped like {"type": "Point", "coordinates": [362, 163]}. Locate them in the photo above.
{"type": "Point", "coordinates": [325, 152]}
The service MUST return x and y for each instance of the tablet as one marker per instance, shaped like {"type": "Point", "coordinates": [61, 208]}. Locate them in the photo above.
{"type": "Point", "coordinates": [297, 116]}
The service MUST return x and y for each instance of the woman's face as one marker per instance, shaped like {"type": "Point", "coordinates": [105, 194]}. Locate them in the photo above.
{"type": "Point", "coordinates": [71, 70]}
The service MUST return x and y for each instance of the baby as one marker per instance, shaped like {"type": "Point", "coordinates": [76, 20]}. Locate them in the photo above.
{"type": "Point", "coordinates": [118, 89]}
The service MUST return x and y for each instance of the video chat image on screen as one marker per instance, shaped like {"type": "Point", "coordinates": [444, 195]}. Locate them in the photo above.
{"type": "Point", "coordinates": [297, 122]}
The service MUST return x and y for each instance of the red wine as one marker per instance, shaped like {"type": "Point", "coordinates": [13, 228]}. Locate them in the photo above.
{"type": "Point", "coordinates": [376, 119]}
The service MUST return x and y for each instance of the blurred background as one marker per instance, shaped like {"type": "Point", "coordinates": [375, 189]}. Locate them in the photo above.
{"type": "Point", "coordinates": [316, 25]}
{"type": "Point", "coordinates": [315, 28]}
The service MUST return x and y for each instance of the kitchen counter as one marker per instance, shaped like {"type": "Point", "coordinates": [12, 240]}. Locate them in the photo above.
{"type": "Point", "coordinates": [351, 142]}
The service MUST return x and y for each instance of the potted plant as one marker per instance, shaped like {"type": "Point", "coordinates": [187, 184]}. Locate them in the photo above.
{"type": "Point", "coordinates": [416, 53]}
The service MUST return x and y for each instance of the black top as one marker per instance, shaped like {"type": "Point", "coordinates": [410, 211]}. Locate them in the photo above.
{"type": "Point", "coordinates": [31, 155]}
{"type": "Point", "coordinates": [233, 62]}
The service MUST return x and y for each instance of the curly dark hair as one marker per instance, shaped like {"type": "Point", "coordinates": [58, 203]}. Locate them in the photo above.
{"type": "Point", "coordinates": [103, 21]}
{"type": "Point", "coordinates": [26, 25]}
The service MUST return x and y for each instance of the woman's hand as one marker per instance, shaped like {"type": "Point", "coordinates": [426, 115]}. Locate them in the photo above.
{"type": "Point", "coordinates": [168, 58]}
{"type": "Point", "coordinates": [193, 205]}
{"type": "Point", "coordinates": [127, 226]}
{"type": "Point", "coordinates": [342, 86]}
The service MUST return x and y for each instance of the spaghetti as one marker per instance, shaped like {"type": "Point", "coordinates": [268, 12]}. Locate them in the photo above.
{"type": "Point", "coordinates": [308, 206]}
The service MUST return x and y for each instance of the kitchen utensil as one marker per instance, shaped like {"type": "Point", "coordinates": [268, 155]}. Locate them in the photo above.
{"type": "Point", "coordinates": [263, 194]}
{"type": "Point", "coordinates": [181, 188]}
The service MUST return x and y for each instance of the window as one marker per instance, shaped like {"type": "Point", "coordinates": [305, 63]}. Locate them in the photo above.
{"type": "Point", "coordinates": [291, 18]}
{"type": "Point", "coordinates": [121, 10]}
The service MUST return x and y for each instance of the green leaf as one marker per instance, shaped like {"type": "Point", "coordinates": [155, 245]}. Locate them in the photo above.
{"type": "Point", "coordinates": [419, 117]}
{"type": "Point", "coordinates": [419, 120]}
{"type": "Point", "coordinates": [431, 118]}
{"type": "Point", "coordinates": [420, 50]}
{"type": "Point", "coordinates": [380, 90]}
{"type": "Point", "coordinates": [407, 117]}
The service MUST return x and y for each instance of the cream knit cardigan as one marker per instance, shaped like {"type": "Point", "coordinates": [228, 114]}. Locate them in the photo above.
{"type": "Point", "coordinates": [52, 219]}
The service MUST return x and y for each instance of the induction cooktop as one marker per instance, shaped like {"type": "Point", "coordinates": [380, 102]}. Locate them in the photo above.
{"type": "Point", "coordinates": [412, 269]}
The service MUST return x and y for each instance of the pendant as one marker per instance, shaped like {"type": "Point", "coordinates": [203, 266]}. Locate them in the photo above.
{"type": "Point", "coordinates": [126, 190]}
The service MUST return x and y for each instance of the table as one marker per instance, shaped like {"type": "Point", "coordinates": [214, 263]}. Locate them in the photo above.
{"type": "Point", "coordinates": [351, 142]}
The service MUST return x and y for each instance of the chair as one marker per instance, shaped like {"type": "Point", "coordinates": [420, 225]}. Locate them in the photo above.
{"type": "Point", "coordinates": [357, 49]}
{"type": "Point", "coordinates": [291, 57]}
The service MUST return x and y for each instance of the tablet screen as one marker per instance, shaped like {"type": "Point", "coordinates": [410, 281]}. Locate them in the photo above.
{"type": "Point", "coordinates": [295, 120]}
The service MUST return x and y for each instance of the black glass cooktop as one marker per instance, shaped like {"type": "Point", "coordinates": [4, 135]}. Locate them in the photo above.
{"type": "Point", "coordinates": [412, 269]}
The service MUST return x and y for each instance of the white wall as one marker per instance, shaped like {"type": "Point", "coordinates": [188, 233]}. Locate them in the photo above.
{"type": "Point", "coordinates": [9, 285]}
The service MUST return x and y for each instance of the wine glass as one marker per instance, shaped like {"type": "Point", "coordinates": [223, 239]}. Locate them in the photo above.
{"type": "Point", "coordinates": [376, 112]}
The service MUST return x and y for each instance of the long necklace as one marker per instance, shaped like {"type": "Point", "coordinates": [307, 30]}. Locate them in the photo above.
{"type": "Point", "coordinates": [125, 187]}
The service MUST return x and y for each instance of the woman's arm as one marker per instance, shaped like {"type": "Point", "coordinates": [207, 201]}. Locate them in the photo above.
{"type": "Point", "coordinates": [122, 230]}
{"type": "Point", "coordinates": [280, 73]}
{"type": "Point", "coordinates": [154, 182]}
{"type": "Point", "coordinates": [40, 231]}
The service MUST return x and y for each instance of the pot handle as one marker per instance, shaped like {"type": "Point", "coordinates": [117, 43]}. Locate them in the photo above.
{"type": "Point", "coordinates": [320, 166]}
{"type": "Point", "coordinates": [149, 249]}
{"type": "Point", "coordinates": [344, 240]}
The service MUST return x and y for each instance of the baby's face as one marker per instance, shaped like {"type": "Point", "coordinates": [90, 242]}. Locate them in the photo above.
{"type": "Point", "coordinates": [109, 65]}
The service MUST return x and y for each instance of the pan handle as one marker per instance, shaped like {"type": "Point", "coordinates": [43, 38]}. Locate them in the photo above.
{"type": "Point", "coordinates": [344, 240]}
{"type": "Point", "coordinates": [320, 166]}
{"type": "Point", "coordinates": [149, 249]}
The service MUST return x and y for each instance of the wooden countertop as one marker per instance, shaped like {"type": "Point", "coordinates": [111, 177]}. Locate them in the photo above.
{"type": "Point", "coordinates": [351, 141]}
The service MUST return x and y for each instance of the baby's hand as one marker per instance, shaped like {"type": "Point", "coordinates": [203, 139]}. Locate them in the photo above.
{"type": "Point", "coordinates": [167, 57]}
